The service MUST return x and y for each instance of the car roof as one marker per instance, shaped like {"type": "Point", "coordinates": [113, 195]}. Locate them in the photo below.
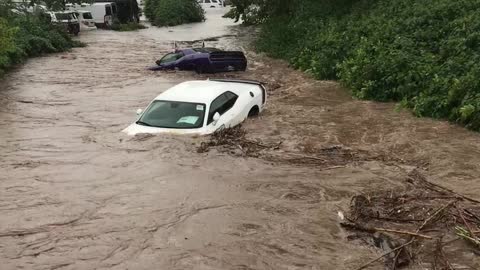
{"type": "Point", "coordinates": [202, 91]}
{"type": "Point", "coordinates": [206, 50]}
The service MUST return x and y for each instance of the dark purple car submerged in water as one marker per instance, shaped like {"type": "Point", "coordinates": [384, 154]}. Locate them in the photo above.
{"type": "Point", "coordinates": [203, 60]}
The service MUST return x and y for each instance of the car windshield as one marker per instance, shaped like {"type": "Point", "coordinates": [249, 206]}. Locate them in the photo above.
{"type": "Point", "coordinates": [171, 57]}
{"type": "Point", "coordinates": [87, 15]}
{"type": "Point", "coordinates": [63, 16]}
{"type": "Point", "coordinates": [173, 114]}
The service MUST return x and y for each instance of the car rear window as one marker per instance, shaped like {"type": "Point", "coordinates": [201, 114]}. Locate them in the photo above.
{"type": "Point", "coordinates": [87, 15]}
{"type": "Point", "coordinates": [63, 16]}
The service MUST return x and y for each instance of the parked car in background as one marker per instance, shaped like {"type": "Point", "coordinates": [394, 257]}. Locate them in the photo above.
{"type": "Point", "coordinates": [103, 14]}
{"type": "Point", "coordinates": [201, 107]}
{"type": "Point", "coordinates": [126, 10]}
{"type": "Point", "coordinates": [210, 3]}
{"type": "Point", "coordinates": [31, 8]}
{"type": "Point", "coordinates": [203, 60]}
{"type": "Point", "coordinates": [67, 19]}
{"type": "Point", "coordinates": [86, 20]}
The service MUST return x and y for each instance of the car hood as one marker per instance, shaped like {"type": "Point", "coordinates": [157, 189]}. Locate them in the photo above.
{"type": "Point", "coordinates": [135, 129]}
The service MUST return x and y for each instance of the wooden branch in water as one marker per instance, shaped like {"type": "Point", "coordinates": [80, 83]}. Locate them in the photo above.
{"type": "Point", "coordinates": [472, 214]}
{"type": "Point", "coordinates": [404, 232]}
{"type": "Point", "coordinates": [373, 229]}
{"type": "Point", "coordinates": [434, 215]}
{"type": "Point", "coordinates": [465, 222]}
{"type": "Point", "coordinates": [332, 168]}
{"type": "Point", "coordinates": [385, 254]}
{"type": "Point", "coordinates": [422, 178]}
{"type": "Point", "coordinates": [449, 265]}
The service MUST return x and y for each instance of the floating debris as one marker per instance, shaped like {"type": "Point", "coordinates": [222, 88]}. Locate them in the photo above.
{"type": "Point", "coordinates": [418, 223]}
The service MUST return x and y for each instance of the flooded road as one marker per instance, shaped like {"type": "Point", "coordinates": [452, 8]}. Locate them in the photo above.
{"type": "Point", "coordinates": [75, 193]}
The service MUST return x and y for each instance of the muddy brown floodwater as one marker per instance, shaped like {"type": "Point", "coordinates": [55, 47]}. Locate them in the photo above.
{"type": "Point", "coordinates": [75, 193]}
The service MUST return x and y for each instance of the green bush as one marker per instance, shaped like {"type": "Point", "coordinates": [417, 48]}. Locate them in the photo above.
{"type": "Point", "coordinates": [7, 44]}
{"type": "Point", "coordinates": [173, 12]}
{"type": "Point", "coordinates": [23, 36]}
{"type": "Point", "coordinates": [124, 27]}
{"type": "Point", "coordinates": [423, 53]}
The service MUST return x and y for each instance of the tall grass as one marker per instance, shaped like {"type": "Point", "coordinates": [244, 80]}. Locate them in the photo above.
{"type": "Point", "coordinates": [173, 12]}
{"type": "Point", "coordinates": [23, 36]}
{"type": "Point", "coordinates": [422, 53]}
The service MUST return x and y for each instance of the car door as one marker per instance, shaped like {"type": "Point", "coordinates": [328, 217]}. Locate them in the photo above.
{"type": "Point", "coordinates": [219, 62]}
{"type": "Point", "coordinates": [223, 104]}
{"type": "Point", "coordinates": [169, 61]}
{"type": "Point", "coordinates": [233, 114]}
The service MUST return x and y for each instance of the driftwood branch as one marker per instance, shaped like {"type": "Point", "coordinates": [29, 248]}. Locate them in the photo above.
{"type": "Point", "coordinates": [373, 230]}
{"type": "Point", "coordinates": [425, 223]}
{"type": "Point", "coordinates": [422, 178]}
{"type": "Point", "coordinates": [385, 254]}
{"type": "Point", "coordinates": [465, 222]}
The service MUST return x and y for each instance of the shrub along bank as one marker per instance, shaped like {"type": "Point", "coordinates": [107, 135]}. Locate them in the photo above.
{"type": "Point", "coordinates": [124, 27]}
{"type": "Point", "coordinates": [423, 53]}
{"type": "Point", "coordinates": [173, 12]}
{"type": "Point", "coordinates": [24, 36]}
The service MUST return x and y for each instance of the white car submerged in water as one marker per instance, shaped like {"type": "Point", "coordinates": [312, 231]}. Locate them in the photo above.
{"type": "Point", "coordinates": [201, 107]}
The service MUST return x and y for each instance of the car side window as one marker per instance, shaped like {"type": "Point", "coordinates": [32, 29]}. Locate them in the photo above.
{"type": "Point", "coordinates": [221, 104]}
{"type": "Point", "coordinates": [171, 57]}
{"type": "Point", "coordinates": [231, 99]}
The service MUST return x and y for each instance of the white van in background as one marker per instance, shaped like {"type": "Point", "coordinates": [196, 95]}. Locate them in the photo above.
{"type": "Point", "coordinates": [103, 14]}
{"type": "Point", "coordinates": [210, 3]}
{"type": "Point", "coordinates": [86, 20]}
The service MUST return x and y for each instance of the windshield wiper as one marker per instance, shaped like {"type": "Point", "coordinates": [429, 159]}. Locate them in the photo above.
{"type": "Point", "coordinates": [143, 123]}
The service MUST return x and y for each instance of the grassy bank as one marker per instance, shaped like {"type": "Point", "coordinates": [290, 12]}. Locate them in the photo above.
{"type": "Point", "coordinates": [422, 53]}
{"type": "Point", "coordinates": [23, 36]}
{"type": "Point", "coordinates": [173, 12]}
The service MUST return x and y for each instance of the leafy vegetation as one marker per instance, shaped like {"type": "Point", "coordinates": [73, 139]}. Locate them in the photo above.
{"type": "Point", "coordinates": [173, 12]}
{"type": "Point", "coordinates": [257, 11]}
{"type": "Point", "coordinates": [131, 26]}
{"type": "Point", "coordinates": [28, 35]}
{"type": "Point", "coordinates": [127, 13]}
{"type": "Point", "coordinates": [53, 4]}
{"type": "Point", "coordinates": [422, 53]}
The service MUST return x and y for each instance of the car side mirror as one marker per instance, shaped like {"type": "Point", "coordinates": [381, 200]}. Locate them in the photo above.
{"type": "Point", "coordinates": [216, 117]}
{"type": "Point", "coordinates": [139, 111]}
